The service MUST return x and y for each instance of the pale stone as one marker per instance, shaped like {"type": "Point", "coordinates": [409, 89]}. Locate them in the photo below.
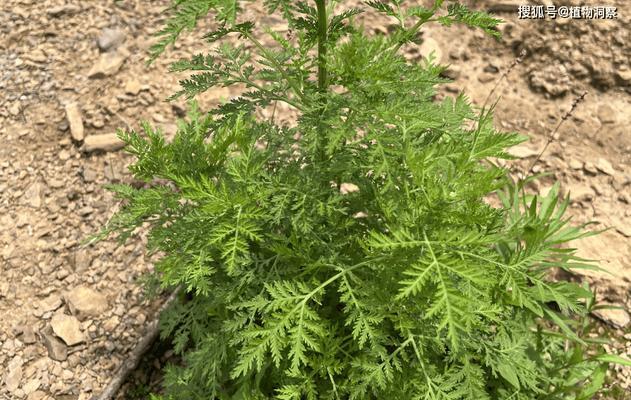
{"type": "Point", "coordinates": [580, 192]}
{"type": "Point", "coordinates": [86, 302]}
{"type": "Point", "coordinates": [57, 350]}
{"type": "Point", "coordinates": [31, 386]}
{"type": "Point", "coordinates": [108, 64]}
{"type": "Point", "coordinates": [617, 318]}
{"type": "Point", "coordinates": [132, 87]}
{"type": "Point", "coordinates": [110, 39]}
{"type": "Point", "coordinates": [346, 188]}
{"type": "Point", "coordinates": [50, 303]}
{"type": "Point", "coordinates": [523, 151]}
{"type": "Point", "coordinates": [68, 328]}
{"type": "Point", "coordinates": [605, 166]}
{"type": "Point", "coordinates": [104, 142]}
{"type": "Point", "coordinates": [73, 115]}
{"type": "Point", "coordinates": [14, 374]}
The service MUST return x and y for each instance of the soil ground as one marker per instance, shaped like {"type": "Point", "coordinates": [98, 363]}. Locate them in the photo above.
{"type": "Point", "coordinates": [58, 57]}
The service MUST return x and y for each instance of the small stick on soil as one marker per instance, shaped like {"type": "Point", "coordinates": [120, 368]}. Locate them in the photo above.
{"type": "Point", "coordinates": [553, 136]}
{"type": "Point", "coordinates": [516, 61]}
{"type": "Point", "coordinates": [133, 360]}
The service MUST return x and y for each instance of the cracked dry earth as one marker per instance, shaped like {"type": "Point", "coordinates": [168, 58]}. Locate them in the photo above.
{"type": "Point", "coordinates": [73, 72]}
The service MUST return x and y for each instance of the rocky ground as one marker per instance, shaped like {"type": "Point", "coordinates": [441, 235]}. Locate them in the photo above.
{"type": "Point", "coordinates": [73, 72]}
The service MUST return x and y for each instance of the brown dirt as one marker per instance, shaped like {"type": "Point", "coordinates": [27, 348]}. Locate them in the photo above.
{"type": "Point", "coordinates": [52, 195]}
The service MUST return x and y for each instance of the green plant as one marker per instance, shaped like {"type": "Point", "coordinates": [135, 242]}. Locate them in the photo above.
{"type": "Point", "coordinates": [351, 254]}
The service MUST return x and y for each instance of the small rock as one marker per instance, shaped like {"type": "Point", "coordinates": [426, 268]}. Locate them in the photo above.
{"type": "Point", "coordinates": [104, 142]}
{"type": "Point", "coordinates": [31, 386]}
{"type": "Point", "coordinates": [15, 109]}
{"type": "Point", "coordinates": [73, 114]}
{"type": "Point", "coordinates": [590, 168]}
{"type": "Point", "coordinates": [14, 374]}
{"type": "Point", "coordinates": [624, 75]}
{"type": "Point", "coordinates": [108, 64]}
{"type": "Point", "coordinates": [110, 324]}
{"type": "Point", "coordinates": [133, 87]}
{"type": "Point", "coordinates": [62, 10]}
{"type": "Point", "coordinates": [110, 39]}
{"type": "Point", "coordinates": [37, 56]}
{"type": "Point", "coordinates": [625, 230]}
{"type": "Point", "coordinates": [486, 77]}
{"type": "Point", "coordinates": [37, 395]}
{"type": "Point", "coordinates": [82, 260]}
{"type": "Point", "coordinates": [606, 114]}
{"type": "Point", "coordinates": [64, 155]}
{"type": "Point", "coordinates": [576, 164]}
{"type": "Point", "coordinates": [492, 69]}
{"type": "Point", "coordinates": [28, 334]}
{"type": "Point", "coordinates": [86, 302]}
{"type": "Point", "coordinates": [89, 175]}
{"type": "Point", "coordinates": [605, 166]}
{"type": "Point", "coordinates": [57, 350]}
{"type": "Point", "coordinates": [346, 188]}
{"type": "Point", "coordinates": [68, 328]}
{"type": "Point", "coordinates": [50, 303]}
{"type": "Point", "coordinates": [523, 151]}
{"type": "Point", "coordinates": [453, 72]}
{"type": "Point", "coordinates": [430, 46]}
{"type": "Point", "coordinates": [33, 195]}
{"type": "Point", "coordinates": [616, 317]}
{"type": "Point", "coordinates": [580, 192]}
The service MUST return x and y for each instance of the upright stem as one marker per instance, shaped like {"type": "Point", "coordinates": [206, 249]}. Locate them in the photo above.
{"type": "Point", "coordinates": [322, 72]}
{"type": "Point", "coordinates": [322, 37]}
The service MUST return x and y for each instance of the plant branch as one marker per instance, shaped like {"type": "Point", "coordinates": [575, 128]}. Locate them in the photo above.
{"type": "Point", "coordinates": [322, 38]}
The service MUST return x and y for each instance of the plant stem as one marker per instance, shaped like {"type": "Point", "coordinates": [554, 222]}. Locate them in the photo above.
{"type": "Point", "coordinates": [322, 73]}
{"type": "Point", "coordinates": [322, 37]}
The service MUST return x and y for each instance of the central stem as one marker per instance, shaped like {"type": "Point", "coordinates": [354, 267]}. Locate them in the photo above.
{"type": "Point", "coordinates": [322, 37]}
{"type": "Point", "coordinates": [322, 74]}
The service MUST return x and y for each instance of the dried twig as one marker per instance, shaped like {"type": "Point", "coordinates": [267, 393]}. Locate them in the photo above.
{"type": "Point", "coordinates": [516, 61]}
{"type": "Point", "coordinates": [554, 135]}
{"type": "Point", "coordinates": [133, 360]}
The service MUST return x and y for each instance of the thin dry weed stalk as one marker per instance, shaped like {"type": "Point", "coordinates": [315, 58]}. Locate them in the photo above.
{"type": "Point", "coordinates": [554, 134]}
{"type": "Point", "coordinates": [513, 64]}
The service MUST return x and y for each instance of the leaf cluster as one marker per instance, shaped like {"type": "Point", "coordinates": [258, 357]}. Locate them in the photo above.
{"type": "Point", "coordinates": [408, 285]}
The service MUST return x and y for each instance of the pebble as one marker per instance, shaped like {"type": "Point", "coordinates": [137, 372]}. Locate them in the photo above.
{"type": "Point", "coordinates": [57, 350]}
{"type": "Point", "coordinates": [33, 195]}
{"type": "Point", "coordinates": [14, 374]}
{"type": "Point", "coordinates": [36, 395]}
{"type": "Point", "coordinates": [346, 188]}
{"type": "Point", "coordinates": [108, 64]}
{"type": "Point", "coordinates": [15, 109]}
{"type": "Point", "coordinates": [605, 166]}
{"type": "Point", "coordinates": [110, 39]}
{"type": "Point", "coordinates": [73, 115]}
{"type": "Point", "coordinates": [523, 151]}
{"type": "Point", "coordinates": [133, 87]}
{"type": "Point", "coordinates": [618, 318]}
{"type": "Point", "coordinates": [86, 302]}
{"type": "Point", "coordinates": [68, 328]}
{"type": "Point", "coordinates": [486, 77]}
{"type": "Point", "coordinates": [606, 114]}
{"type": "Point", "coordinates": [576, 164]}
{"type": "Point", "coordinates": [63, 10]}
{"type": "Point", "coordinates": [103, 142]}
{"type": "Point", "coordinates": [28, 334]}
{"type": "Point", "coordinates": [50, 303]}
{"type": "Point", "coordinates": [31, 386]}
{"type": "Point", "coordinates": [580, 192]}
{"type": "Point", "coordinates": [590, 168]}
